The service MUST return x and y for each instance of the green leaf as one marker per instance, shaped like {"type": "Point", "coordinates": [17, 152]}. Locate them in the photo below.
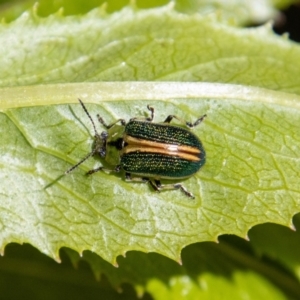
{"type": "Point", "coordinates": [241, 11]}
{"type": "Point", "coordinates": [251, 138]}
{"type": "Point", "coordinates": [154, 44]}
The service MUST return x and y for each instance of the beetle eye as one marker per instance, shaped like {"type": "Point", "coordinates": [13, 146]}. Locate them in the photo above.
{"type": "Point", "coordinates": [104, 134]}
{"type": "Point", "coordinates": [102, 152]}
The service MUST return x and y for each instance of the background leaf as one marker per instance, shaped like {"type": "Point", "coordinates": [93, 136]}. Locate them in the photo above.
{"type": "Point", "coordinates": [241, 11]}
{"type": "Point", "coordinates": [127, 45]}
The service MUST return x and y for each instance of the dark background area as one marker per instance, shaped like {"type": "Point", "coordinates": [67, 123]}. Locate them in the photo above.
{"type": "Point", "coordinates": [289, 22]}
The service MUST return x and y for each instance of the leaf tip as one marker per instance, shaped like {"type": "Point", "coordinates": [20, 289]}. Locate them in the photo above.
{"type": "Point", "coordinates": [35, 8]}
{"type": "Point", "coordinates": [103, 9]}
{"type": "Point", "coordinates": [285, 35]}
{"type": "Point", "coordinates": [140, 291]}
{"type": "Point", "coordinates": [133, 5]}
{"type": "Point", "coordinates": [179, 260]}
{"type": "Point", "coordinates": [292, 227]}
{"type": "Point", "coordinates": [114, 263]}
{"type": "Point", "coordinates": [57, 258]}
{"type": "Point", "coordinates": [60, 12]}
{"type": "Point", "coordinates": [266, 28]}
{"type": "Point", "coordinates": [171, 5]}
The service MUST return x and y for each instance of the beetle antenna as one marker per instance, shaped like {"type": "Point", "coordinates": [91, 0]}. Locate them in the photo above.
{"type": "Point", "coordinates": [86, 111]}
{"type": "Point", "coordinates": [94, 150]}
{"type": "Point", "coordinates": [80, 162]}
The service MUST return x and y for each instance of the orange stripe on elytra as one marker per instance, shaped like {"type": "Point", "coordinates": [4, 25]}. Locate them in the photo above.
{"type": "Point", "coordinates": [139, 145]}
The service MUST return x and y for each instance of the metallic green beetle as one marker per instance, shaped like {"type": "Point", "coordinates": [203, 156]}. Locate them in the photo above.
{"type": "Point", "coordinates": [150, 151]}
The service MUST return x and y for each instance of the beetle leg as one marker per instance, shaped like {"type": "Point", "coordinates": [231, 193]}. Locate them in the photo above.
{"type": "Point", "coordinates": [158, 187]}
{"type": "Point", "coordinates": [136, 179]}
{"type": "Point", "coordinates": [184, 190]}
{"type": "Point", "coordinates": [156, 184]}
{"type": "Point", "coordinates": [198, 121]}
{"type": "Point", "coordinates": [101, 121]}
{"type": "Point", "coordinates": [188, 124]}
{"type": "Point", "coordinates": [149, 119]}
{"type": "Point", "coordinates": [152, 113]}
{"type": "Point", "coordinates": [116, 169]}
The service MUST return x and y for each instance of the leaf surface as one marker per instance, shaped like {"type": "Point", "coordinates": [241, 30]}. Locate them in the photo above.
{"type": "Point", "coordinates": [250, 176]}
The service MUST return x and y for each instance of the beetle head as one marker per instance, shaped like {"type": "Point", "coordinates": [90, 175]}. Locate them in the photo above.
{"type": "Point", "coordinates": [100, 143]}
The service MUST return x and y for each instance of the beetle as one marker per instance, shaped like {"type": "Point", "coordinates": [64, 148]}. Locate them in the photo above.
{"type": "Point", "coordinates": [148, 151]}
